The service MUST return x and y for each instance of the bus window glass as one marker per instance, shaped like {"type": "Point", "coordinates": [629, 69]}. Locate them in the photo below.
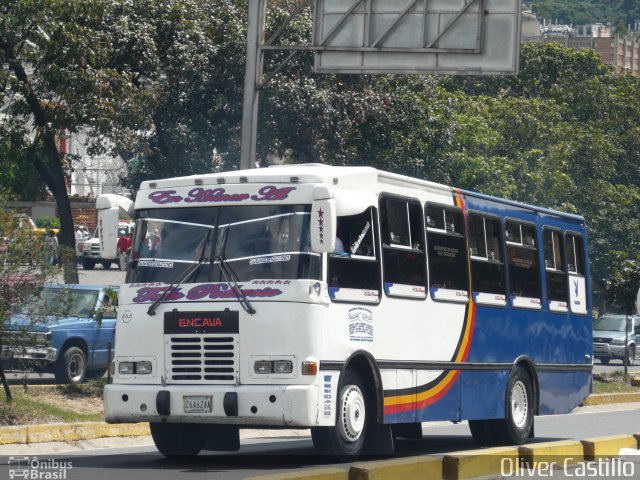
{"type": "Point", "coordinates": [554, 267]}
{"type": "Point", "coordinates": [435, 217]}
{"type": "Point", "coordinates": [477, 240]}
{"type": "Point", "coordinates": [576, 274]}
{"type": "Point", "coordinates": [487, 269]}
{"type": "Point", "coordinates": [404, 264]}
{"type": "Point", "coordinates": [447, 255]}
{"type": "Point", "coordinates": [524, 275]}
{"type": "Point", "coordinates": [395, 223]}
{"type": "Point", "coordinates": [575, 255]}
{"type": "Point", "coordinates": [258, 242]}
{"type": "Point", "coordinates": [354, 273]}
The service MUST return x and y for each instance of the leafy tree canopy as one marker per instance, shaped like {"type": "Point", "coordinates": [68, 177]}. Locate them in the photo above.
{"type": "Point", "coordinates": [582, 12]}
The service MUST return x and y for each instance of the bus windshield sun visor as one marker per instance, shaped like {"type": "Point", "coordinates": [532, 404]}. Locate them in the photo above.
{"type": "Point", "coordinates": [352, 203]}
{"type": "Point", "coordinates": [182, 276]}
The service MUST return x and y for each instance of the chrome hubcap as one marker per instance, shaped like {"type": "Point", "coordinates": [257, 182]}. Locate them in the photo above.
{"type": "Point", "coordinates": [352, 416]}
{"type": "Point", "coordinates": [76, 367]}
{"type": "Point", "coordinates": [519, 404]}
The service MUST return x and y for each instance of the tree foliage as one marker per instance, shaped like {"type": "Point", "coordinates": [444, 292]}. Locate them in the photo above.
{"type": "Point", "coordinates": [162, 81]}
{"type": "Point", "coordinates": [582, 12]}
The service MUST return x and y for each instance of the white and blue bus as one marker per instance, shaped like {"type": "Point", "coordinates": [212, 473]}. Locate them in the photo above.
{"type": "Point", "coordinates": [348, 300]}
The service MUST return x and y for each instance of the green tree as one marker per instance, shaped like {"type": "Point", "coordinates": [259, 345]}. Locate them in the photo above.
{"type": "Point", "coordinates": [23, 270]}
{"type": "Point", "coordinates": [56, 79]}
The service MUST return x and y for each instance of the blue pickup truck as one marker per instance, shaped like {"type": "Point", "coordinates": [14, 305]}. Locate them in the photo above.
{"type": "Point", "coordinates": [65, 330]}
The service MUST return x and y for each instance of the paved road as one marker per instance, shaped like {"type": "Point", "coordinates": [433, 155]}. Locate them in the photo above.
{"type": "Point", "coordinates": [273, 455]}
{"type": "Point", "coordinates": [100, 276]}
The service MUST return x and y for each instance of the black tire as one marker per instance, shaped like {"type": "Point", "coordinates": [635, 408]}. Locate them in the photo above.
{"type": "Point", "coordinates": [631, 354]}
{"type": "Point", "coordinates": [604, 361]}
{"type": "Point", "coordinates": [88, 264]}
{"type": "Point", "coordinates": [178, 439]}
{"type": "Point", "coordinates": [106, 265]}
{"type": "Point", "coordinates": [517, 427]}
{"type": "Point", "coordinates": [346, 439]}
{"type": "Point", "coordinates": [71, 366]}
{"type": "Point", "coordinates": [483, 431]}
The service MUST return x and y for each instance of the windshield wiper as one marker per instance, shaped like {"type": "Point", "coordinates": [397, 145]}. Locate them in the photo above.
{"type": "Point", "coordinates": [231, 278]}
{"type": "Point", "coordinates": [190, 270]}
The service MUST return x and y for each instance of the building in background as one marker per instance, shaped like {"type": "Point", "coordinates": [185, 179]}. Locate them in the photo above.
{"type": "Point", "coordinates": [620, 50]}
{"type": "Point", "coordinates": [93, 175]}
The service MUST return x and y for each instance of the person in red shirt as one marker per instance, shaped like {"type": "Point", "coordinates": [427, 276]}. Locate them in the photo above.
{"type": "Point", "coordinates": [122, 246]}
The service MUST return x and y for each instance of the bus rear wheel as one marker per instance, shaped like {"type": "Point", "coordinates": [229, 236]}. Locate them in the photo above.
{"type": "Point", "coordinates": [346, 439]}
{"type": "Point", "coordinates": [178, 439]}
{"type": "Point", "coordinates": [517, 427]}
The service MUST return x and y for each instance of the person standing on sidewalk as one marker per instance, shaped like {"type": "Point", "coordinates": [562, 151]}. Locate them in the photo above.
{"type": "Point", "coordinates": [122, 246]}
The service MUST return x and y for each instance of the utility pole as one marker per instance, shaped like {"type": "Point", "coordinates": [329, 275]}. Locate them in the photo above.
{"type": "Point", "coordinates": [252, 80]}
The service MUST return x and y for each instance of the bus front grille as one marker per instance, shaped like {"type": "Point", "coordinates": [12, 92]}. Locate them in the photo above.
{"type": "Point", "coordinates": [194, 358]}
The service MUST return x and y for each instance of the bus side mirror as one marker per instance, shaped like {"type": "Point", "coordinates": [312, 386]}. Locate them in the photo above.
{"type": "Point", "coordinates": [323, 220]}
{"type": "Point", "coordinates": [638, 303]}
{"type": "Point", "coordinates": [108, 231]}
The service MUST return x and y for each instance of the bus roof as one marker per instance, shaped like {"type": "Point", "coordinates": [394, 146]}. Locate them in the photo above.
{"type": "Point", "coordinates": [349, 177]}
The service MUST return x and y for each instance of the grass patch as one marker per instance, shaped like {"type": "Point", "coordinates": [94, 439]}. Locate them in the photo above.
{"type": "Point", "coordinates": [56, 404]}
{"type": "Point", "coordinates": [615, 382]}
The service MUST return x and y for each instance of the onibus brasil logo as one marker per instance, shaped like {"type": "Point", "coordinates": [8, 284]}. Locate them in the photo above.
{"type": "Point", "coordinates": [35, 469]}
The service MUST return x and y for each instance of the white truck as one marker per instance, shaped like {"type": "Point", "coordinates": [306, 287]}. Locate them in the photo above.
{"type": "Point", "coordinates": [91, 248]}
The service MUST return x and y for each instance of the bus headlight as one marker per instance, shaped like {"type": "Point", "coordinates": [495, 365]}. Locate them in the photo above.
{"type": "Point", "coordinates": [126, 368]}
{"type": "Point", "coordinates": [282, 367]}
{"type": "Point", "coordinates": [135, 368]}
{"type": "Point", "coordinates": [277, 367]}
{"type": "Point", "coordinates": [143, 368]}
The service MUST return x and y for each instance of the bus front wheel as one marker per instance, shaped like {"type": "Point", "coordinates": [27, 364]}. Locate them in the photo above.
{"type": "Point", "coordinates": [346, 439]}
{"type": "Point", "coordinates": [178, 439]}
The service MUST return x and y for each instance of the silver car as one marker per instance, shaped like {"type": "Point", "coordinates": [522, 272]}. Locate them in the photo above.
{"type": "Point", "coordinates": [609, 338]}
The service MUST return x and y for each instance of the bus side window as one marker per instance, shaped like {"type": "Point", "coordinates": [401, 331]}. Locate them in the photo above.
{"type": "Point", "coordinates": [554, 269]}
{"type": "Point", "coordinates": [575, 255]}
{"type": "Point", "coordinates": [487, 265]}
{"type": "Point", "coordinates": [403, 248]}
{"type": "Point", "coordinates": [576, 273]}
{"type": "Point", "coordinates": [524, 275]}
{"type": "Point", "coordinates": [447, 254]}
{"type": "Point", "coordinates": [354, 274]}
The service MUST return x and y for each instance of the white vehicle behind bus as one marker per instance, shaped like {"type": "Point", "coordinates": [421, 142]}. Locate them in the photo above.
{"type": "Point", "coordinates": [92, 253]}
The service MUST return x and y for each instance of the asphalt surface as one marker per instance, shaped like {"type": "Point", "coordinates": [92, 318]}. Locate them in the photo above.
{"type": "Point", "coordinates": [259, 456]}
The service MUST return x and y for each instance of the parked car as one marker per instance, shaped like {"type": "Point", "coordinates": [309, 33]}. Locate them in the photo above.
{"type": "Point", "coordinates": [65, 330]}
{"type": "Point", "coordinates": [609, 338]}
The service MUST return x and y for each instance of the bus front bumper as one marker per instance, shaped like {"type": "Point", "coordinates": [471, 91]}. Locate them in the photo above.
{"type": "Point", "coordinates": [251, 405]}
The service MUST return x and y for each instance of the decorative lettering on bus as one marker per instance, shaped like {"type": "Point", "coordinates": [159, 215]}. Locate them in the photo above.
{"type": "Point", "coordinates": [443, 251]}
{"type": "Point", "coordinates": [270, 193]}
{"type": "Point", "coordinates": [201, 322]}
{"type": "Point", "coordinates": [212, 291]}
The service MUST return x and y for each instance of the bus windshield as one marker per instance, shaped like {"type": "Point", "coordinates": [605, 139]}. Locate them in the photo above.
{"type": "Point", "coordinates": [257, 242]}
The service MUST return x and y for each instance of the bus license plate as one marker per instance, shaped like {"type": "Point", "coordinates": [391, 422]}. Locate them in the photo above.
{"type": "Point", "coordinates": [197, 404]}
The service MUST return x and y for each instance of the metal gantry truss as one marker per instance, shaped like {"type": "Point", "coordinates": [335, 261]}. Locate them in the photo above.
{"type": "Point", "coordinates": [379, 24]}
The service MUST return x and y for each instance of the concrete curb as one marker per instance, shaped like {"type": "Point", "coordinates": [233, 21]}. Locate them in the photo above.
{"type": "Point", "coordinates": [474, 463]}
{"type": "Point", "coordinates": [70, 432]}
{"type": "Point", "coordinates": [311, 474]}
{"type": "Point", "coordinates": [608, 398]}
